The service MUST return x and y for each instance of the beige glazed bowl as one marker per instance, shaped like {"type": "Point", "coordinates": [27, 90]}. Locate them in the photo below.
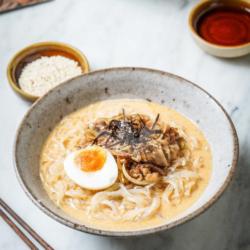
{"type": "Point", "coordinates": [160, 87]}
{"type": "Point", "coordinates": [210, 48]}
{"type": "Point", "coordinates": [35, 51]}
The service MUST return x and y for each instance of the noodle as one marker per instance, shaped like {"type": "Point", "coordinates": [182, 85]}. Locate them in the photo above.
{"type": "Point", "coordinates": [142, 188]}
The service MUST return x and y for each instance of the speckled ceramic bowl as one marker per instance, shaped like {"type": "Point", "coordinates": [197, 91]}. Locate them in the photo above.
{"type": "Point", "coordinates": [160, 87]}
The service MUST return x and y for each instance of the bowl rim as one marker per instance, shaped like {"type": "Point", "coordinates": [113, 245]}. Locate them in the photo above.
{"type": "Point", "coordinates": [100, 232]}
{"type": "Point", "coordinates": [209, 44]}
{"type": "Point", "coordinates": [84, 65]}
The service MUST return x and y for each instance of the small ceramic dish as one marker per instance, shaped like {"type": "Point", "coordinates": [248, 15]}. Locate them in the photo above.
{"type": "Point", "coordinates": [35, 51]}
{"type": "Point", "coordinates": [211, 48]}
{"type": "Point", "coordinates": [157, 86]}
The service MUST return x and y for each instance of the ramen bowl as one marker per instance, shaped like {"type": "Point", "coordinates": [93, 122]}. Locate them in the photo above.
{"type": "Point", "coordinates": [116, 83]}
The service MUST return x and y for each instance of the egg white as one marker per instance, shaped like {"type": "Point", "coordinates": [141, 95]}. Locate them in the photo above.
{"type": "Point", "coordinates": [96, 180]}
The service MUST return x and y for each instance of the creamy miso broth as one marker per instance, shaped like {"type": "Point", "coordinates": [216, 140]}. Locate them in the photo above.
{"type": "Point", "coordinates": [125, 164]}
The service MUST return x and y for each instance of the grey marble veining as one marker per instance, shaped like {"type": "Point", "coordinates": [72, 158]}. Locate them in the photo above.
{"type": "Point", "coordinates": [148, 33]}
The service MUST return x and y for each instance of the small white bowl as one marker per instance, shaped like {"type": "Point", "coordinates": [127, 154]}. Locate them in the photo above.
{"type": "Point", "coordinates": [210, 48]}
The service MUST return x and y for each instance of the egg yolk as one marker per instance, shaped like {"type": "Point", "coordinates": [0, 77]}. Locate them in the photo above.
{"type": "Point", "coordinates": [90, 160]}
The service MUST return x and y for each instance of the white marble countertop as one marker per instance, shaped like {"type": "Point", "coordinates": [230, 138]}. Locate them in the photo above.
{"type": "Point", "coordinates": [149, 33]}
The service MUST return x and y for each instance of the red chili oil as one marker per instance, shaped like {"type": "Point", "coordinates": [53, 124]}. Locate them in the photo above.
{"type": "Point", "coordinates": [225, 25]}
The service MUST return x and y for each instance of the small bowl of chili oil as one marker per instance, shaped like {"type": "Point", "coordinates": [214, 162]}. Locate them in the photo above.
{"type": "Point", "coordinates": [222, 27]}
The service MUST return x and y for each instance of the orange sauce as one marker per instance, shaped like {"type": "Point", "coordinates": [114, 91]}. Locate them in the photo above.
{"type": "Point", "coordinates": [225, 25]}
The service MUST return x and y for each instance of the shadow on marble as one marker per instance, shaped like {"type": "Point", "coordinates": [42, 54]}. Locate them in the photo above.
{"type": "Point", "coordinates": [239, 62]}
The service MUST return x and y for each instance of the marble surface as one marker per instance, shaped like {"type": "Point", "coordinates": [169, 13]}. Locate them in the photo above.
{"type": "Point", "coordinates": [148, 33]}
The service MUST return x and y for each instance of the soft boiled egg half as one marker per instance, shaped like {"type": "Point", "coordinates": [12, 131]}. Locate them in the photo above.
{"type": "Point", "coordinates": [92, 167]}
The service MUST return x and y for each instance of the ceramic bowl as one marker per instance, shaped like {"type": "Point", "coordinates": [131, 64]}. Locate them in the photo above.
{"type": "Point", "coordinates": [35, 51]}
{"type": "Point", "coordinates": [157, 86]}
{"type": "Point", "coordinates": [210, 48]}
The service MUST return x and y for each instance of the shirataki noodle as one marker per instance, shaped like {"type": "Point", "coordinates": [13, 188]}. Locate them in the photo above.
{"type": "Point", "coordinates": [158, 161]}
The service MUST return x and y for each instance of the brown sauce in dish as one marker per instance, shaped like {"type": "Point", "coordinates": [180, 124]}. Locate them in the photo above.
{"type": "Point", "coordinates": [225, 24]}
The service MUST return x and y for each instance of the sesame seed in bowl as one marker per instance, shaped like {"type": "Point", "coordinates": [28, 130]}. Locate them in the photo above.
{"type": "Point", "coordinates": [41, 75]}
{"type": "Point", "coordinates": [36, 69]}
